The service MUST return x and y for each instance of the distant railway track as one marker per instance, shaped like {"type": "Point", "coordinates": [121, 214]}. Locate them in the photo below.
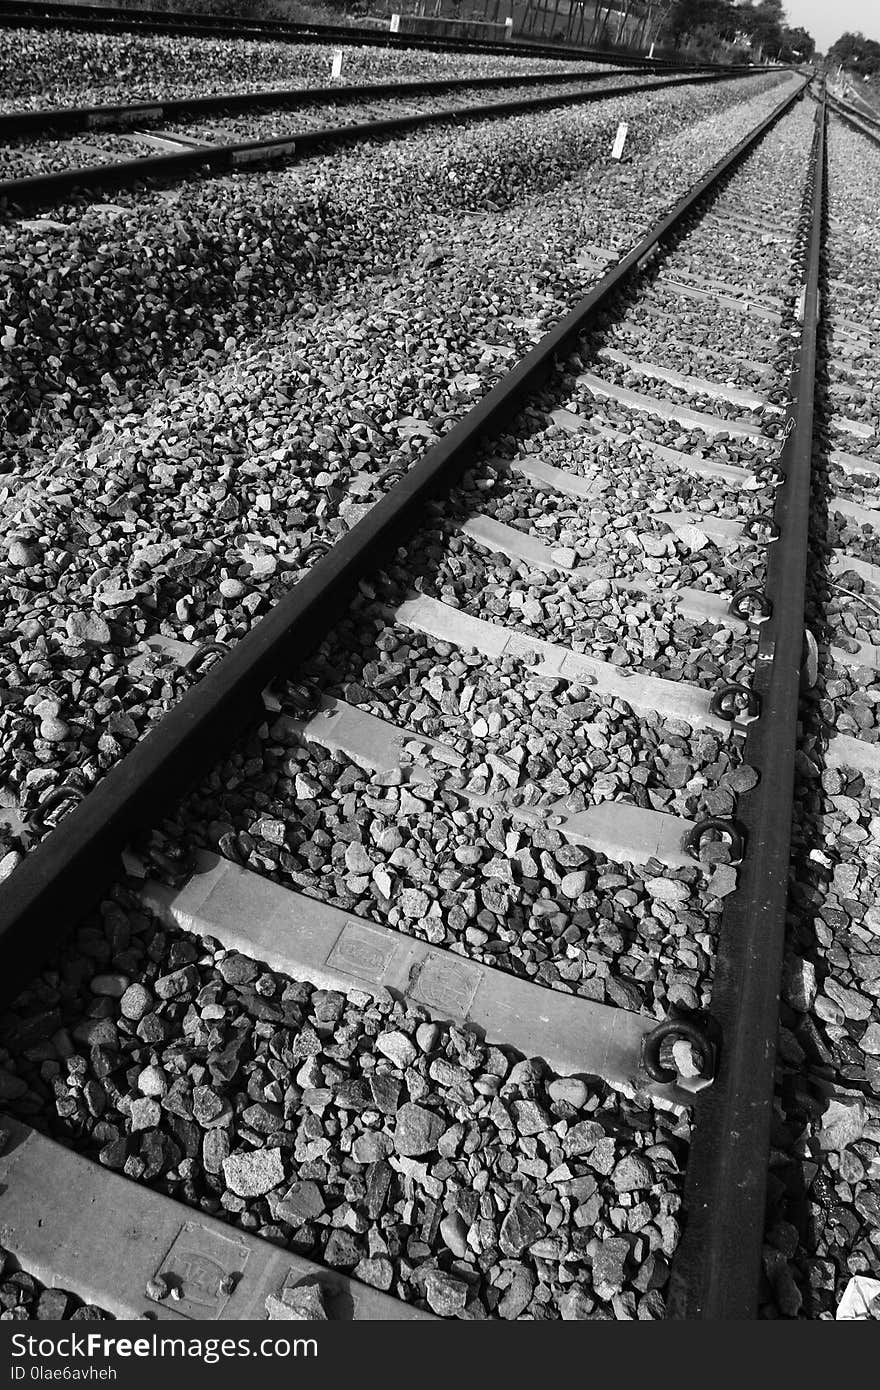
{"type": "Point", "coordinates": [107, 20]}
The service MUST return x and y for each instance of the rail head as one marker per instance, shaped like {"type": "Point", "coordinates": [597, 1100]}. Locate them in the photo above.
{"type": "Point", "coordinates": [716, 1270]}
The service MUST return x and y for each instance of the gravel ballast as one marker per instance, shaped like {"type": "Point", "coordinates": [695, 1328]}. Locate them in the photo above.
{"type": "Point", "coordinates": [88, 69]}
{"type": "Point", "coordinates": [29, 156]}
{"type": "Point", "coordinates": [130, 508]}
{"type": "Point", "coordinates": [456, 1176]}
{"type": "Point", "coordinates": [521, 898]}
{"type": "Point", "coordinates": [24, 1299]}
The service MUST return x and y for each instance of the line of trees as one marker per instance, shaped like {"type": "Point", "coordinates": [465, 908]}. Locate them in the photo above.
{"type": "Point", "coordinates": [730, 30]}
{"type": "Point", "coordinates": [759, 27]}
{"type": "Point", "coordinates": [856, 52]}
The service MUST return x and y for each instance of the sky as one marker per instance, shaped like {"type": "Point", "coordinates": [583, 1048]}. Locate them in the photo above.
{"type": "Point", "coordinates": [826, 21]}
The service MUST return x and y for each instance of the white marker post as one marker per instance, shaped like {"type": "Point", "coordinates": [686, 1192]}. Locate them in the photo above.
{"type": "Point", "coordinates": [336, 69]}
{"type": "Point", "coordinates": [508, 28]}
{"type": "Point", "coordinates": [651, 50]}
{"type": "Point", "coordinates": [619, 140]}
{"type": "Point", "coordinates": [395, 24]}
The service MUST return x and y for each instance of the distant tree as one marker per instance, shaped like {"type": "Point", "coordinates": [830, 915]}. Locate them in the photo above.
{"type": "Point", "coordinates": [856, 52]}
{"type": "Point", "coordinates": [797, 44]}
{"type": "Point", "coordinates": [763, 24]}
{"type": "Point", "coordinates": [685, 17]}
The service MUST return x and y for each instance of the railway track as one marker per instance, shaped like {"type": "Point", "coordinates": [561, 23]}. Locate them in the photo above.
{"type": "Point", "coordinates": [525, 792]}
{"type": "Point", "coordinates": [118, 115]}
{"type": "Point", "coordinates": [828, 1063]}
{"type": "Point", "coordinates": [189, 153]}
{"type": "Point", "coordinates": [854, 97]}
{"type": "Point", "coordinates": [104, 19]}
{"type": "Point", "coordinates": [858, 120]}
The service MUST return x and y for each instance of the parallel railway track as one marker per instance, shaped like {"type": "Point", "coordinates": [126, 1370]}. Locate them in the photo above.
{"type": "Point", "coordinates": [120, 114]}
{"type": "Point", "coordinates": [40, 190]}
{"type": "Point", "coordinates": [511, 738]}
{"type": "Point", "coordinates": [858, 120]}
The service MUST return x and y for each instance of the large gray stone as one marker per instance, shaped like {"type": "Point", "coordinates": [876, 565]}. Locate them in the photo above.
{"type": "Point", "coordinates": [253, 1174]}
{"type": "Point", "coordinates": [417, 1130]}
{"type": "Point", "coordinates": [521, 1227]}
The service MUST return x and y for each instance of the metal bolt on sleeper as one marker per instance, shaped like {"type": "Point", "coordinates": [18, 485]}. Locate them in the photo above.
{"type": "Point", "coordinates": [735, 701]}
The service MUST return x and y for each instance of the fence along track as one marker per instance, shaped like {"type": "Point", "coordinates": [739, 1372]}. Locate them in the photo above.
{"type": "Point", "coordinates": [20, 13]}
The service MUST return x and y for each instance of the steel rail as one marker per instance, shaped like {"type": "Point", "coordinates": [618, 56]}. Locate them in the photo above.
{"type": "Point", "coordinates": [715, 1272]}
{"type": "Point", "coordinates": [13, 123]}
{"type": "Point", "coordinates": [92, 17]}
{"type": "Point", "coordinates": [863, 124]}
{"type": "Point", "coordinates": [847, 104]}
{"type": "Point", "coordinates": [37, 190]}
{"type": "Point", "coordinates": [854, 101]}
{"type": "Point", "coordinates": [862, 109]}
{"type": "Point", "coordinates": [65, 874]}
